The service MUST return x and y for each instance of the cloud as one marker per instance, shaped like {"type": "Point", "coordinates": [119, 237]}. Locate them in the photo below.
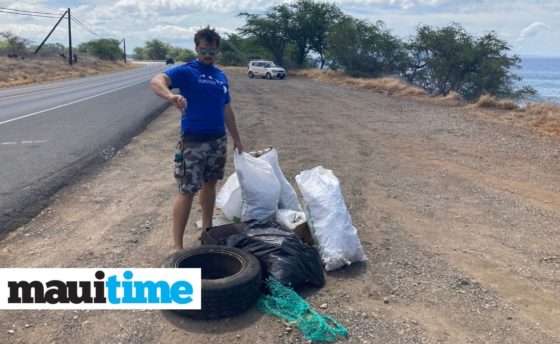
{"type": "Point", "coordinates": [179, 32]}
{"type": "Point", "coordinates": [175, 21]}
{"type": "Point", "coordinates": [533, 30]}
{"type": "Point", "coordinates": [175, 7]}
{"type": "Point", "coordinates": [405, 4]}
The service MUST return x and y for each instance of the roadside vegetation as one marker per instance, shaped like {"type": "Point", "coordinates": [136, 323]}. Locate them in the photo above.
{"type": "Point", "coordinates": [159, 50]}
{"type": "Point", "coordinates": [32, 70]}
{"type": "Point", "coordinates": [440, 60]}
{"type": "Point", "coordinates": [19, 65]}
{"type": "Point", "coordinates": [318, 40]}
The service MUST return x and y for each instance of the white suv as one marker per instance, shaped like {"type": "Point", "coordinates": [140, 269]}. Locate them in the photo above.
{"type": "Point", "coordinates": [265, 69]}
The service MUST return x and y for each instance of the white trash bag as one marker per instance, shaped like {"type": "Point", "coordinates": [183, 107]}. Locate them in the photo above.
{"type": "Point", "coordinates": [259, 185]}
{"type": "Point", "coordinates": [288, 196]}
{"type": "Point", "coordinates": [229, 199]}
{"type": "Point", "coordinates": [289, 218]}
{"type": "Point", "coordinates": [328, 219]}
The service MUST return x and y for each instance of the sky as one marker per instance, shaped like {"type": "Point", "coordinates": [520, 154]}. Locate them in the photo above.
{"type": "Point", "coordinates": [531, 27]}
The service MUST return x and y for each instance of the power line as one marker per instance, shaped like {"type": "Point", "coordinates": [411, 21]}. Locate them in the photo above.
{"type": "Point", "coordinates": [76, 18]}
{"type": "Point", "coordinates": [33, 12]}
{"type": "Point", "coordinates": [44, 16]}
{"type": "Point", "coordinates": [83, 26]}
{"type": "Point", "coordinates": [28, 14]}
{"type": "Point", "coordinates": [80, 22]}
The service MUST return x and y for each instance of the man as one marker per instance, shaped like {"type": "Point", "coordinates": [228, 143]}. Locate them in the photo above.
{"type": "Point", "coordinates": [205, 104]}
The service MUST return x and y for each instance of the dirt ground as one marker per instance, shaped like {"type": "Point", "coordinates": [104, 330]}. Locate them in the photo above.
{"type": "Point", "coordinates": [457, 210]}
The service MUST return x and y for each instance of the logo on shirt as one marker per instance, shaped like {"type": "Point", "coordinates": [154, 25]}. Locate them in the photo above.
{"type": "Point", "coordinates": [210, 80]}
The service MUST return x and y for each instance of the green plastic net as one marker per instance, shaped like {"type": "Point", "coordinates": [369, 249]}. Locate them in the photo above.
{"type": "Point", "coordinates": [285, 303]}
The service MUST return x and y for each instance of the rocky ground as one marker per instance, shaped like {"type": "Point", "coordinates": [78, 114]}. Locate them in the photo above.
{"type": "Point", "coordinates": [457, 210]}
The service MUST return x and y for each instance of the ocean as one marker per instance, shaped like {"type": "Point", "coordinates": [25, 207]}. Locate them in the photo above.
{"type": "Point", "coordinates": [543, 74]}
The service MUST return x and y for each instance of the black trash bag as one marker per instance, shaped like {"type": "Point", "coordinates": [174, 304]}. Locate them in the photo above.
{"type": "Point", "coordinates": [281, 253]}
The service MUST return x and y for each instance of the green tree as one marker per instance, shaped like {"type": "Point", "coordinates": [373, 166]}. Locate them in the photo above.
{"type": "Point", "coordinates": [139, 53]}
{"type": "Point", "coordinates": [103, 48]}
{"type": "Point", "coordinates": [269, 30]}
{"type": "Point", "coordinates": [364, 49]}
{"type": "Point", "coordinates": [457, 61]}
{"type": "Point", "coordinates": [15, 42]}
{"type": "Point", "coordinates": [303, 25]}
{"type": "Point", "coordinates": [181, 54]}
{"type": "Point", "coordinates": [237, 51]}
{"type": "Point", "coordinates": [411, 60]}
{"type": "Point", "coordinates": [156, 50]}
{"type": "Point", "coordinates": [309, 25]}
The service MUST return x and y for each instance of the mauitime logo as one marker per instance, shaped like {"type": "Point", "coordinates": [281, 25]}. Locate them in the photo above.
{"type": "Point", "coordinates": [100, 288]}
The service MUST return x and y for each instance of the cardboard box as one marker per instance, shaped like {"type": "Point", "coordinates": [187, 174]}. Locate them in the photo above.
{"type": "Point", "coordinates": [303, 232]}
{"type": "Point", "coordinates": [212, 235]}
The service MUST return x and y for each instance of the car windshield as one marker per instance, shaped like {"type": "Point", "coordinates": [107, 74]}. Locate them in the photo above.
{"type": "Point", "coordinates": [269, 64]}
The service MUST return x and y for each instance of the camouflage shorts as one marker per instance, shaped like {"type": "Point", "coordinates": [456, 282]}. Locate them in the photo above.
{"type": "Point", "coordinates": [202, 161]}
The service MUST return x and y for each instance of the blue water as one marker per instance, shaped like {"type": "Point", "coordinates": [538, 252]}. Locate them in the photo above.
{"type": "Point", "coordinates": [543, 74]}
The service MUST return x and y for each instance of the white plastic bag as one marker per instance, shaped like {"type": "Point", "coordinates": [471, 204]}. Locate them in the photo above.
{"type": "Point", "coordinates": [259, 185]}
{"type": "Point", "coordinates": [328, 219]}
{"type": "Point", "coordinates": [288, 196]}
{"type": "Point", "coordinates": [229, 199]}
{"type": "Point", "coordinates": [290, 219]}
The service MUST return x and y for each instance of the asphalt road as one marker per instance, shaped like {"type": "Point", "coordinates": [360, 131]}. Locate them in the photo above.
{"type": "Point", "coordinates": [51, 133]}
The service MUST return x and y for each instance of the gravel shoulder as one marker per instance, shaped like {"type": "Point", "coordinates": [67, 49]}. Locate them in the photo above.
{"type": "Point", "coordinates": [457, 210]}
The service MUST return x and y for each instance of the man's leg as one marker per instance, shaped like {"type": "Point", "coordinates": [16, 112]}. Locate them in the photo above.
{"type": "Point", "coordinates": [207, 200]}
{"type": "Point", "coordinates": [181, 210]}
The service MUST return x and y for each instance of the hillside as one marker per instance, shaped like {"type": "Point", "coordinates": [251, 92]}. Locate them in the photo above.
{"type": "Point", "coordinates": [33, 69]}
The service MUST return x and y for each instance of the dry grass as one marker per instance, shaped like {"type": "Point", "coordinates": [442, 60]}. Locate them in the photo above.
{"type": "Point", "coordinates": [387, 86]}
{"type": "Point", "coordinates": [545, 117]}
{"type": "Point", "coordinates": [486, 101]}
{"type": "Point", "coordinates": [234, 69]}
{"type": "Point", "coordinates": [32, 70]}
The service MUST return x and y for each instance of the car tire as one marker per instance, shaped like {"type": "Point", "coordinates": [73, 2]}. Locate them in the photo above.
{"type": "Point", "coordinates": [281, 77]}
{"type": "Point", "coordinates": [251, 75]}
{"type": "Point", "coordinates": [231, 279]}
{"type": "Point", "coordinates": [269, 76]}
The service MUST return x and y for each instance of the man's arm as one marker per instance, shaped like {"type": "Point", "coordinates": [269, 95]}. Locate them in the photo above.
{"type": "Point", "coordinates": [160, 85]}
{"type": "Point", "coordinates": [232, 127]}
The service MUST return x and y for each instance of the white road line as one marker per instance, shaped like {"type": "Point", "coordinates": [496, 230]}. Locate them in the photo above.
{"type": "Point", "coordinates": [23, 142]}
{"type": "Point", "coordinates": [74, 102]}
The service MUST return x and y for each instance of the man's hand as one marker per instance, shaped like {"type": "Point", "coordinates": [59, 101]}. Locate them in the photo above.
{"type": "Point", "coordinates": [179, 101]}
{"type": "Point", "coordinates": [238, 145]}
{"type": "Point", "coordinates": [161, 86]}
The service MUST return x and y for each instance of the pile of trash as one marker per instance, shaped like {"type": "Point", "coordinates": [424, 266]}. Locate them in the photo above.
{"type": "Point", "coordinates": [259, 191]}
{"type": "Point", "coordinates": [294, 245]}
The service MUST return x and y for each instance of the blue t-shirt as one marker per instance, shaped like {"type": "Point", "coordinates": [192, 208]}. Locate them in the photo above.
{"type": "Point", "coordinates": [207, 92]}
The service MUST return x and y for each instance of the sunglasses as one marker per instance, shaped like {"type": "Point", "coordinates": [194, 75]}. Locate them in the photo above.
{"type": "Point", "coordinates": [211, 52]}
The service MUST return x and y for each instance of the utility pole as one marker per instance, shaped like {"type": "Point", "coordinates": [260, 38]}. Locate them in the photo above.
{"type": "Point", "coordinates": [69, 38]}
{"type": "Point", "coordinates": [124, 49]}
{"type": "Point", "coordinates": [54, 27]}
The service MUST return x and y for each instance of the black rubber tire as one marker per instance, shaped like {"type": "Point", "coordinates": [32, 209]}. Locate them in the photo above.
{"type": "Point", "coordinates": [251, 75]}
{"type": "Point", "coordinates": [231, 279]}
{"type": "Point", "coordinates": [269, 76]}
{"type": "Point", "coordinates": [281, 77]}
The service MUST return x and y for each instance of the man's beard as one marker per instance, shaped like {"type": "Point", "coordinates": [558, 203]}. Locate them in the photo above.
{"type": "Point", "coordinates": [207, 62]}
